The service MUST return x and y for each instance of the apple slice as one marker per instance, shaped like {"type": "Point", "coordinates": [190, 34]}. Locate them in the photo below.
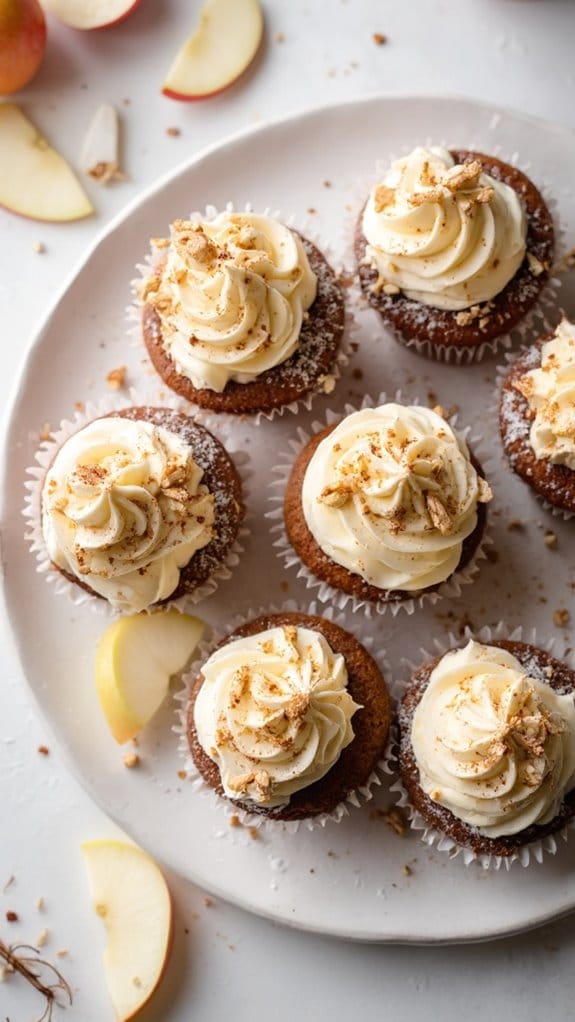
{"type": "Point", "coordinates": [131, 896]}
{"type": "Point", "coordinates": [35, 180]}
{"type": "Point", "coordinates": [224, 45]}
{"type": "Point", "coordinates": [135, 659]}
{"type": "Point", "coordinates": [22, 43]}
{"type": "Point", "coordinates": [95, 14]}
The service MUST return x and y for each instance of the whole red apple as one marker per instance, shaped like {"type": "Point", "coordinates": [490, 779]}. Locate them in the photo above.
{"type": "Point", "coordinates": [22, 42]}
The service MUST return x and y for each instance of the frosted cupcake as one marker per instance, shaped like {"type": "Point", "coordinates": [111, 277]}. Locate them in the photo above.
{"type": "Point", "coordinates": [139, 507]}
{"type": "Point", "coordinates": [241, 314]}
{"type": "Point", "coordinates": [537, 417]}
{"type": "Point", "coordinates": [288, 717]}
{"type": "Point", "coordinates": [487, 748]}
{"type": "Point", "coordinates": [387, 505]}
{"type": "Point", "coordinates": [453, 249]}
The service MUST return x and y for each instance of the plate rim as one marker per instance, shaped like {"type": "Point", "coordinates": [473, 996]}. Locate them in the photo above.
{"type": "Point", "coordinates": [13, 406]}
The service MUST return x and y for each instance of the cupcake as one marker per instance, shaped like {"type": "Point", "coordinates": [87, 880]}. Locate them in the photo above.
{"type": "Point", "coordinates": [241, 314]}
{"type": "Point", "coordinates": [288, 718]}
{"type": "Point", "coordinates": [387, 505]}
{"type": "Point", "coordinates": [487, 745]}
{"type": "Point", "coordinates": [537, 417]}
{"type": "Point", "coordinates": [140, 506]}
{"type": "Point", "coordinates": [453, 249]}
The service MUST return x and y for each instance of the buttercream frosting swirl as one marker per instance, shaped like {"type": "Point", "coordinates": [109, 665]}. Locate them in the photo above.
{"type": "Point", "coordinates": [391, 494]}
{"type": "Point", "coordinates": [494, 744]}
{"type": "Point", "coordinates": [448, 236]}
{"type": "Point", "coordinates": [124, 508]}
{"type": "Point", "coordinates": [231, 297]}
{"type": "Point", "coordinates": [550, 393]}
{"type": "Point", "coordinates": [273, 712]}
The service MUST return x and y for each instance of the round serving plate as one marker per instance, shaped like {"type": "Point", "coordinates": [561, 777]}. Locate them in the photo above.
{"type": "Point", "coordinates": [349, 879]}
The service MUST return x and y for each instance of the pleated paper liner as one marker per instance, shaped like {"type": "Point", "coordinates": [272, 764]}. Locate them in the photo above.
{"type": "Point", "coordinates": [353, 800]}
{"type": "Point", "coordinates": [521, 429]}
{"type": "Point", "coordinates": [326, 384]}
{"type": "Point", "coordinates": [534, 851]}
{"type": "Point", "coordinates": [33, 491]}
{"type": "Point", "coordinates": [327, 593]}
{"type": "Point", "coordinates": [537, 318]}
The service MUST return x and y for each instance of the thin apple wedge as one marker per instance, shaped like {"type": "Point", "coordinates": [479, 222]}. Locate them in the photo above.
{"type": "Point", "coordinates": [130, 895]}
{"type": "Point", "coordinates": [35, 180]}
{"type": "Point", "coordinates": [135, 659]}
{"type": "Point", "coordinates": [222, 48]}
{"type": "Point", "coordinates": [94, 14]}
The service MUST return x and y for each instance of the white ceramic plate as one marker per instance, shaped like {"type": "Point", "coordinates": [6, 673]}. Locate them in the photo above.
{"type": "Point", "coordinates": [347, 879]}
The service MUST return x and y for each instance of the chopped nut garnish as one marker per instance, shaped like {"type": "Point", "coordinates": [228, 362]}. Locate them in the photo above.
{"type": "Point", "coordinates": [334, 496]}
{"type": "Point", "coordinates": [182, 775]}
{"type": "Point", "coordinates": [235, 820]}
{"type": "Point", "coordinates": [173, 132]}
{"type": "Point", "coordinates": [62, 952]}
{"type": "Point", "coordinates": [383, 197]}
{"type": "Point", "coordinates": [466, 176]}
{"type": "Point", "coordinates": [406, 870]}
{"type": "Point", "coordinates": [561, 617]}
{"type": "Point", "coordinates": [43, 750]}
{"type": "Point", "coordinates": [535, 265]}
{"type": "Point", "coordinates": [485, 493]}
{"type": "Point", "coordinates": [394, 817]}
{"type": "Point", "coordinates": [131, 760]}
{"type": "Point", "coordinates": [327, 383]}
{"type": "Point", "coordinates": [485, 194]}
{"type": "Point", "coordinates": [11, 917]}
{"type": "Point", "coordinates": [42, 938]}
{"type": "Point", "coordinates": [116, 378]}
{"type": "Point", "coordinates": [516, 525]}
{"type": "Point", "coordinates": [40, 904]}
{"type": "Point", "coordinates": [254, 833]}
{"type": "Point", "coordinates": [39, 247]}
{"type": "Point", "coordinates": [467, 316]}
{"type": "Point", "coordinates": [438, 513]}
{"type": "Point", "coordinates": [379, 39]}
{"type": "Point", "coordinates": [550, 540]}
{"type": "Point", "coordinates": [208, 902]}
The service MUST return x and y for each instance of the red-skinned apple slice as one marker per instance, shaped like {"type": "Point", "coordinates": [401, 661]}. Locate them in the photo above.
{"type": "Point", "coordinates": [131, 896]}
{"type": "Point", "coordinates": [35, 180]}
{"type": "Point", "coordinates": [222, 48]}
{"type": "Point", "coordinates": [22, 42]}
{"type": "Point", "coordinates": [92, 14]}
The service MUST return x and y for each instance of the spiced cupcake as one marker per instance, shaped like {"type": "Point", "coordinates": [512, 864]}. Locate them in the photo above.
{"type": "Point", "coordinates": [288, 718]}
{"type": "Point", "coordinates": [386, 506]}
{"type": "Point", "coordinates": [138, 507]}
{"type": "Point", "coordinates": [537, 417]}
{"type": "Point", "coordinates": [453, 250]}
{"type": "Point", "coordinates": [487, 747]}
{"type": "Point", "coordinates": [241, 314]}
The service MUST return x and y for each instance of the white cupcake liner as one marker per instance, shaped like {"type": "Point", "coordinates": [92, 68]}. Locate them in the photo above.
{"type": "Point", "coordinates": [221, 803]}
{"type": "Point", "coordinates": [500, 375]}
{"type": "Point", "coordinates": [327, 593]}
{"type": "Point", "coordinates": [537, 318]}
{"type": "Point", "coordinates": [431, 836]}
{"type": "Point", "coordinates": [32, 506]}
{"type": "Point", "coordinates": [327, 383]}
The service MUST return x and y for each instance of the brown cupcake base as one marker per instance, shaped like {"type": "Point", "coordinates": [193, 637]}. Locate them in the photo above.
{"type": "Point", "coordinates": [304, 372]}
{"type": "Point", "coordinates": [370, 724]}
{"type": "Point", "coordinates": [222, 479]}
{"type": "Point", "coordinates": [536, 661]}
{"type": "Point", "coordinates": [437, 332]}
{"type": "Point", "coordinates": [553, 483]}
{"type": "Point", "coordinates": [322, 566]}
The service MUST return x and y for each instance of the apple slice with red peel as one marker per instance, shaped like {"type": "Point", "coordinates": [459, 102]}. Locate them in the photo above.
{"type": "Point", "coordinates": [94, 14]}
{"type": "Point", "coordinates": [224, 45]}
{"type": "Point", "coordinates": [35, 180]}
{"type": "Point", "coordinates": [22, 43]}
{"type": "Point", "coordinates": [131, 896]}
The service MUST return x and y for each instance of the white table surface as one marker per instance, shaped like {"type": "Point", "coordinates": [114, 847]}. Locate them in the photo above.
{"type": "Point", "coordinates": [225, 963]}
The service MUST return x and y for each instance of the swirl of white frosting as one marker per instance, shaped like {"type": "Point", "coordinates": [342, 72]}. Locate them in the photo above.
{"type": "Point", "coordinates": [391, 494]}
{"type": "Point", "coordinates": [493, 744]}
{"type": "Point", "coordinates": [550, 393]}
{"type": "Point", "coordinates": [273, 713]}
{"type": "Point", "coordinates": [231, 297]}
{"type": "Point", "coordinates": [448, 236]}
{"type": "Point", "coordinates": [123, 509]}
